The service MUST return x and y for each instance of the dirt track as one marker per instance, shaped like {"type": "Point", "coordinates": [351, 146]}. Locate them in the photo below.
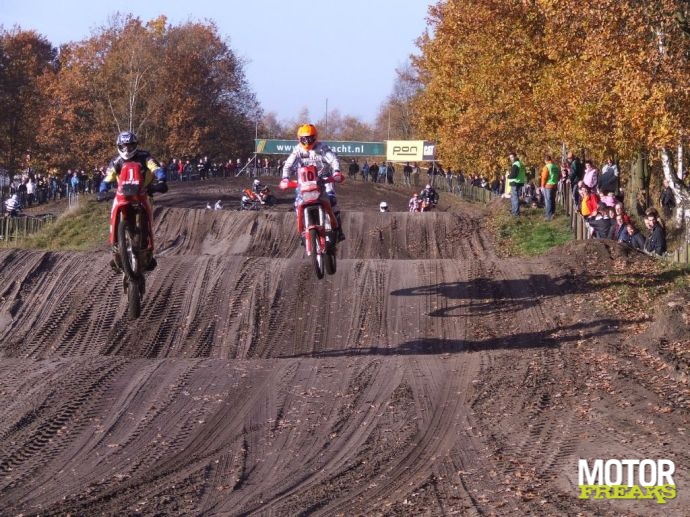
{"type": "Point", "coordinates": [427, 376]}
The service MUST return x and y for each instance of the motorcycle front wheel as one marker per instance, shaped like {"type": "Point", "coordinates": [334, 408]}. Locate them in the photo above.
{"type": "Point", "coordinates": [128, 246]}
{"type": "Point", "coordinates": [317, 254]}
{"type": "Point", "coordinates": [135, 290]}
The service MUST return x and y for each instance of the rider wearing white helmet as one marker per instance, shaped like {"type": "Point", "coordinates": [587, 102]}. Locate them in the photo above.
{"type": "Point", "coordinates": [127, 150]}
{"type": "Point", "coordinates": [383, 206]}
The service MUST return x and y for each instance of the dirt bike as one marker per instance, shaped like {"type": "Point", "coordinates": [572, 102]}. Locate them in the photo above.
{"type": "Point", "coordinates": [249, 200]}
{"type": "Point", "coordinates": [428, 205]}
{"type": "Point", "coordinates": [130, 232]}
{"type": "Point", "coordinates": [266, 198]}
{"type": "Point", "coordinates": [319, 239]}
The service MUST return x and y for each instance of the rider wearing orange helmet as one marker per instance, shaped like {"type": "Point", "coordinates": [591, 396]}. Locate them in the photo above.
{"type": "Point", "coordinates": [308, 152]}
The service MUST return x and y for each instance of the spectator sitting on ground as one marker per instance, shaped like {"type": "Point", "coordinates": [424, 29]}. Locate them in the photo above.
{"type": "Point", "coordinates": [632, 237]}
{"type": "Point", "coordinates": [656, 242]}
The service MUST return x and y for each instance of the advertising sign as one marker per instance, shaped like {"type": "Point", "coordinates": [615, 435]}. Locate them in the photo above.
{"type": "Point", "coordinates": [410, 151]}
{"type": "Point", "coordinates": [341, 148]}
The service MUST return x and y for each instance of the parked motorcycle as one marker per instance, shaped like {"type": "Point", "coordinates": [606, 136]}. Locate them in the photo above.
{"type": "Point", "coordinates": [319, 239]}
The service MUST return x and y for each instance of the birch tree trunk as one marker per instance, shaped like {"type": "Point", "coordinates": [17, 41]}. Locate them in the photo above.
{"type": "Point", "coordinates": [681, 194]}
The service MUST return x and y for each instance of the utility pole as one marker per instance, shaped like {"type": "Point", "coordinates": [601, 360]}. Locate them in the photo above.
{"type": "Point", "coordinates": [389, 123]}
{"type": "Point", "coordinates": [325, 132]}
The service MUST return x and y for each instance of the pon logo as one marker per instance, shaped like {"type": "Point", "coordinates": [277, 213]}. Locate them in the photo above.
{"type": "Point", "coordinates": [627, 479]}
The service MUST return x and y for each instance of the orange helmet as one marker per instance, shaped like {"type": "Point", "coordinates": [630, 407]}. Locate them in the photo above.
{"type": "Point", "coordinates": [306, 134]}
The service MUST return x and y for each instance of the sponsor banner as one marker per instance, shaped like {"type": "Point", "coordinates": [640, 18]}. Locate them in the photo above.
{"type": "Point", "coordinates": [410, 151]}
{"type": "Point", "coordinates": [341, 148]}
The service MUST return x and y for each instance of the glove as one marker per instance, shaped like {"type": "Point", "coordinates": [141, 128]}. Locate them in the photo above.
{"type": "Point", "coordinates": [283, 184]}
{"type": "Point", "coordinates": [338, 177]}
{"type": "Point", "coordinates": [160, 175]}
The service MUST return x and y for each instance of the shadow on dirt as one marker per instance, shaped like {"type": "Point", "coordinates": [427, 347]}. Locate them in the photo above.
{"type": "Point", "coordinates": [527, 340]}
{"type": "Point", "coordinates": [487, 296]}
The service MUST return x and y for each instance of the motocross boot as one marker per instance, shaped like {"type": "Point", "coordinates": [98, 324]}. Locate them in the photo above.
{"type": "Point", "coordinates": [150, 263]}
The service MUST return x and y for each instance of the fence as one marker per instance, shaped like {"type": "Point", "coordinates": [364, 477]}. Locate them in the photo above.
{"type": "Point", "coordinates": [16, 229]}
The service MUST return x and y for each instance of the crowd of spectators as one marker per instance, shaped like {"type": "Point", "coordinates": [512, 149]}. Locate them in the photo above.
{"type": "Point", "coordinates": [35, 188]}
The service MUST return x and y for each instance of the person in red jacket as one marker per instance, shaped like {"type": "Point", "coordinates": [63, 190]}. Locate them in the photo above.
{"type": "Point", "coordinates": [589, 203]}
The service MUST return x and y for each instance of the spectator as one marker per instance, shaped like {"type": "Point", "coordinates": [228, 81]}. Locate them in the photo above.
{"type": "Point", "coordinates": [516, 179]}
{"type": "Point", "coordinates": [415, 174]}
{"type": "Point", "coordinates": [600, 222]}
{"type": "Point", "coordinates": [591, 177]}
{"type": "Point", "coordinates": [656, 242]}
{"type": "Point", "coordinates": [609, 176]}
{"type": "Point", "coordinates": [576, 169]}
{"type": "Point", "coordinates": [620, 210]}
{"type": "Point", "coordinates": [449, 179]}
{"type": "Point", "coordinates": [589, 203]}
{"type": "Point", "coordinates": [667, 200]}
{"type": "Point", "coordinates": [353, 169]}
{"type": "Point", "coordinates": [390, 171]}
{"type": "Point", "coordinates": [365, 171]}
{"type": "Point", "coordinates": [608, 198]}
{"type": "Point", "coordinates": [383, 170]}
{"type": "Point", "coordinates": [374, 172]}
{"type": "Point", "coordinates": [632, 237]}
{"type": "Point", "coordinates": [549, 183]}
{"type": "Point", "coordinates": [74, 182]}
{"type": "Point", "coordinates": [619, 229]}
{"type": "Point", "coordinates": [407, 172]}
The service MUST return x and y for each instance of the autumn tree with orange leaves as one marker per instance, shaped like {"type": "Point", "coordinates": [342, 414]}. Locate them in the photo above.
{"type": "Point", "coordinates": [601, 76]}
{"type": "Point", "coordinates": [24, 57]}
{"type": "Point", "coordinates": [180, 88]}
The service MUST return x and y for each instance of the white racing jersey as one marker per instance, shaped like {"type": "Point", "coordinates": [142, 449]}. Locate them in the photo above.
{"type": "Point", "coordinates": [321, 156]}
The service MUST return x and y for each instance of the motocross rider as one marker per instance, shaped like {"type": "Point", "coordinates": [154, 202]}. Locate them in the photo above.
{"type": "Point", "coordinates": [258, 189]}
{"type": "Point", "coordinates": [308, 152]}
{"type": "Point", "coordinates": [127, 150]}
{"type": "Point", "coordinates": [13, 206]}
{"type": "Point", "coordinates": [429, 195]}
{"type": "Point", "coordinates": [415, 204]}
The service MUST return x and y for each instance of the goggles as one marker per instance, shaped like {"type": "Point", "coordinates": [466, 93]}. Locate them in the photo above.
{"type": "Point", "coordinates": [127, 147]}
{"type": "Point", "coordinates": [307, 140]}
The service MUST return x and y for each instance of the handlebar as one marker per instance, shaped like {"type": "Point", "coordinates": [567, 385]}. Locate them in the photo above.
{"type": "Point", "coordinates": [295, 184]}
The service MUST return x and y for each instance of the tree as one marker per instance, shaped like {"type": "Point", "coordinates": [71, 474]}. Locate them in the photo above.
{"type": "Point", "coordinates": [180, 88]}
{"type": "Point", "coordinates": [25, 57]}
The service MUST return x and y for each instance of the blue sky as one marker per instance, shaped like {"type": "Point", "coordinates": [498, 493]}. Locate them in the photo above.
{"type": "Point", "coordinates": [298, 54]}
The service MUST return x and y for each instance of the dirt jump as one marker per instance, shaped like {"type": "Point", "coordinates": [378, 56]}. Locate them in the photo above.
{"type": "Point", "coordinates": [427, 376]}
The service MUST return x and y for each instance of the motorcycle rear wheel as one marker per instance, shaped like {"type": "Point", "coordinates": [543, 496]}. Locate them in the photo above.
{"type": "Point", "coordinates": [317, 254]}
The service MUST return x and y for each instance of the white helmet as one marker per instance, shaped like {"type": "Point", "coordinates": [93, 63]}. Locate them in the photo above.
{"type": "Point", "coordinates": [245, 199]}
{"type": "Point", "coordinates": [383, 206]}
{"type": "Point", "coordinates": [257, 182]}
